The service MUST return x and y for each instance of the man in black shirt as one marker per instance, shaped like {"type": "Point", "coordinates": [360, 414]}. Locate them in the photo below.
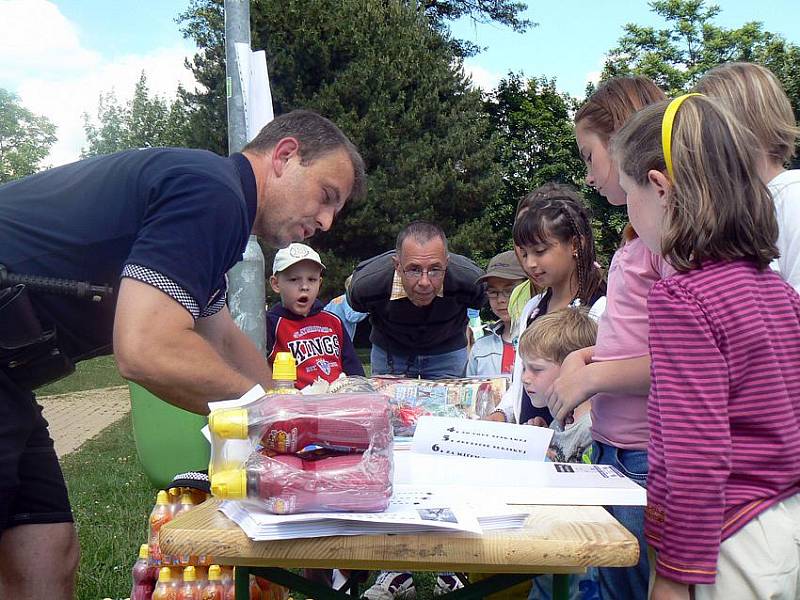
{"type": "Point", "coordinates": [417, 298]}
{"type": "Point", "coordinates": [161, 226]}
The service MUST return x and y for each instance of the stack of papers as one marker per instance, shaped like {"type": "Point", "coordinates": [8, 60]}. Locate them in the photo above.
{"type": "Point", "coordinates": [458, 475]}
{"type": "Point", "coordinates": [411, 510]}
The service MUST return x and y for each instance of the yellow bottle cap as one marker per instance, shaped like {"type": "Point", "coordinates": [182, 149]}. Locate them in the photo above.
{"type": "Point", "coordinates": [284, 367]}
{"type": "Point", "coordinates": [189, 574]}
{"type": "Point", "coordinates": [164, 574]}
{"type": "Point", "coordinates": [229, 423]}
{"type": "Point", "coordinates": [144, 551]}
{"type": "Point", "coordinates": [231, 484]}
{"type": "Point", "coordinates": [162, 497]}
{"type": "Point", "coordinates": [214, 573]}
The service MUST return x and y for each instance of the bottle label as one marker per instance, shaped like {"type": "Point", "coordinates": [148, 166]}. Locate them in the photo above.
{"type": "Point", "coordinates": [281, 440]}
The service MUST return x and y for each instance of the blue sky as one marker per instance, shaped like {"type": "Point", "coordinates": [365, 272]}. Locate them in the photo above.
{"type": "Point", "coordinates": [60, 55]}
{"type": "Point", "coordinates": [573, 35]}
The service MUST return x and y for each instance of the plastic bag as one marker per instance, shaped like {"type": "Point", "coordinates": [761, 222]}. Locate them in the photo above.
{"type": "Point", "coordinates": [305, 453]}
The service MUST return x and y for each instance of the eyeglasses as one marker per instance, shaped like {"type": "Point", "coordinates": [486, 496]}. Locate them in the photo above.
{"type": "Point", "coordinates": [435, 273]}
{"type": "Point", "coordinates": [495, 294]}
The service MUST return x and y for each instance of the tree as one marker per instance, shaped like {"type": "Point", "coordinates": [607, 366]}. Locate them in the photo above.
{"type": "Point", "coordinates": [25, 138]}
{"type": "Point", "coordinates": [144, 122]}
{"type": "Point", "coordinates": [533, 122]}
{"type": "Point", "coordinates": [504, 12]}
{"type": "Point", "coordinates": [677, 56]}
{"type": "Point", "coordinates": [390, 81]}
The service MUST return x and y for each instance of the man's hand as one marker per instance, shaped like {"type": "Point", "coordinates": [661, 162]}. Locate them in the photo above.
{"type": "Point", "coordinates": [666, 589]}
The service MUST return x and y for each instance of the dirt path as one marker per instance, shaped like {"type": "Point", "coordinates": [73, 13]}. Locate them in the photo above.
{"type": "Point", "coordinates": [79, 416]}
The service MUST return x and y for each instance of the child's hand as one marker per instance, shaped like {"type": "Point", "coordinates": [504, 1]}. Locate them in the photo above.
{"type": "Point", "coordinates": [666, 589]}
{"type": "Point", "coordinates": [566, 393]}
{"type": "Point", "coordinates": [537, 422]}
{"type": "Point", "coordinates": [498, 416]}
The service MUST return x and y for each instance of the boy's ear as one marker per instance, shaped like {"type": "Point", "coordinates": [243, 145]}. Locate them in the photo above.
{"type": "Point", "coordinates": [273, 282]}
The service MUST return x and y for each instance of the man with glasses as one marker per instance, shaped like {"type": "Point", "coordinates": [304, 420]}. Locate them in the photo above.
{"type": "Point", "coordinates": [417, 298]}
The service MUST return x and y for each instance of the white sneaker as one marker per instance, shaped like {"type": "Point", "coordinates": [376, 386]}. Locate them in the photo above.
{"type": "Point", "coordinates": [391, 585]}
{"type": "Point", "coordinates": [446, 583]}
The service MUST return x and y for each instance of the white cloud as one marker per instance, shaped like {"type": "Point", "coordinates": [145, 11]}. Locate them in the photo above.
{"type": "Point", "coordinates": [43, 62]}
{"type": "Point", "coordinates": [481, 77]}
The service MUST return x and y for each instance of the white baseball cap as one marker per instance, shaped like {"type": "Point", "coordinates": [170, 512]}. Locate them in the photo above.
{"type": "Point", "coordinates": [294, 253]}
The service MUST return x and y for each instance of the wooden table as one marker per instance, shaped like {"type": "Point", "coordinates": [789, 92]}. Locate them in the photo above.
{"type": "Point", "coordinates": [555, 539]}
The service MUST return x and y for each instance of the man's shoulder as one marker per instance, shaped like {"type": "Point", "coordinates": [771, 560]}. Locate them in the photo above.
{"type": "Point", "coordinates": [464, 273]}
{"type": "Point", "coordinates": [373, 277]}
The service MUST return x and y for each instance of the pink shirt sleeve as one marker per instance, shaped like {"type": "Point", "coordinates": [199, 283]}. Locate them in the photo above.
{"type": "Point", "coordinates": [690, 445]}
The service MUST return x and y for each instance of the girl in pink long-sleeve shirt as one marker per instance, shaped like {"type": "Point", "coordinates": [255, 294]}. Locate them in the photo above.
{"type": "Point", "coordinates": [723, 511]}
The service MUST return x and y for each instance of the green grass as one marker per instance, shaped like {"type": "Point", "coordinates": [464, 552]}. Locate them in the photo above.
{"type": "Point", "coordinates": [111, 499]}
{"type": "Point", "coordinates": [91, 374]}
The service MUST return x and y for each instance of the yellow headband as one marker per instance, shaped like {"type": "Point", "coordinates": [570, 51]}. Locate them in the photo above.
{"type": "Point", "coordinates": [666, 130]}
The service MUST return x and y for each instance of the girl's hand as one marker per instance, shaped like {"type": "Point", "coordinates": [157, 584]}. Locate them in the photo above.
{"type": "Point", "coordinates": [566, 393]}
{"type": "Point", "coordinates": [666, 589]}
{"type": "Point", "coordinates": [498, 416]}
{"type": "Point", "coordinates": [537, 422]}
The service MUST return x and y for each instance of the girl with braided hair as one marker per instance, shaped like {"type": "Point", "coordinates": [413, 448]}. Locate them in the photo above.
{"type": "Point", "coordinates": [555, 246]}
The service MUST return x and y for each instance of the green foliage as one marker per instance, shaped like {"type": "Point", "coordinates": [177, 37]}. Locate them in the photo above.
{"type": "Point", "coordinates": [677, 56]}
{"type": "Point", "coordinates": [391, 82]}
{"type": "Point", "coordinates": [145, 121]}
{"type": "Point", "coordinates": [504, 12]}
{"type": "Point", "coordinates": [537, 144]}
{"type": "Point", "coordinates": [25, 138]}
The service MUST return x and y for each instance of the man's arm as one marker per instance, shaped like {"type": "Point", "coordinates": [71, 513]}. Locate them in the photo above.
{"type": "Point", "coordinates": [157, 345]}
{"type": "Point", "coordinates": [221, 331]}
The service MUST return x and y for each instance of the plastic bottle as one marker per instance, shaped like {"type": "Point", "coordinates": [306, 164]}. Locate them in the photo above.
{"type": "Point", "coordinates": [189, 589]}
{"type": "Point", "coordinates": [142, 574]}
{"type": "Point", "coordinates": [284, 374]}
{"type": "Point", "coordinates": [160, 515]}
{"type": "Point", "coordinates": [186, 504]}
{"type": "Point", "coordinates": [255, 591]}
{"type": "Point", "coordinates": [213, 590]}
{"type": "Point", "coordinates": [166, 588]}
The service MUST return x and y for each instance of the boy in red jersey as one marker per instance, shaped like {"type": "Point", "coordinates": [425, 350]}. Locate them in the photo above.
{"type": "Point", "coordinates": [315, 337]}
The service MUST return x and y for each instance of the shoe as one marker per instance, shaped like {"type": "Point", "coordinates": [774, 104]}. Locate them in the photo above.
{"type": "Point", "coordinates": [391, 585]}
{"type": "Point", "coordinates": [448, 582]}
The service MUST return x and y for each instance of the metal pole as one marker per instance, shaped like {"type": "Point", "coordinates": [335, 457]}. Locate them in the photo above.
{"type": "Point", "coordinates": [246, 281]}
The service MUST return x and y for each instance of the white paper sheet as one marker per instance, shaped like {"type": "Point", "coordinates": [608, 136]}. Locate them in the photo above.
{"type": "Point", "coordinates": [517, 482]}
{"type": "Point", "coordinates": [448, 436]}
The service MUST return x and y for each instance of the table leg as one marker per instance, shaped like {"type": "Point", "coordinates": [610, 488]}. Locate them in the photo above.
{"type": "Point", "coordinates": [241, 578]}
{"type": "Point", "coordinates": [292, 581]}
{"type": "Point", "coordinates": [561, 587]}
{"type": "Point", "coordinates": [485, 587]}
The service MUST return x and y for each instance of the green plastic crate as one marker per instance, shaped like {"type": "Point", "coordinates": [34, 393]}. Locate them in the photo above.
{"type": "Point", "coordinates": [168, 438]}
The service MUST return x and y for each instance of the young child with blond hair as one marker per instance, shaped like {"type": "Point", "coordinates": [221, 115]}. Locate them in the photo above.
{"type": "Point", "coordinates": [759, 102]}
{"type": "Point", "coordinates": [542, 348]}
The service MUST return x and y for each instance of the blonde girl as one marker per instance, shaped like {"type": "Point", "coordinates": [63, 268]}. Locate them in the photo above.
{"type": "Point", "coordinates": [723, 514]}
{"type": "Point", "coordinates": [757, 99]}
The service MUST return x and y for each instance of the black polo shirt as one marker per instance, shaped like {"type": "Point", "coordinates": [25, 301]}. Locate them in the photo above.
{"type": "Point", "coordinates": [176, 219]}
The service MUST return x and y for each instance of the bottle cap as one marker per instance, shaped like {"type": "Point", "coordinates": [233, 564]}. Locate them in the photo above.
{"type": "Point", "coordinates": [162, 497]}
{"type": "Point", "coordinates": [189, 574]}
{"type": "Point", "coordinates": [214, 573]}
{"type": "Point", "coordinates": [144, 551]}
{"type": "Point", "coordinates": [284, 367]}
{"type": "Point", "coordinates": [229, 423]}
{"type": "Point", "coordinates": [164, 574]}
{"type": "Point", "coordinates": [229, 484]}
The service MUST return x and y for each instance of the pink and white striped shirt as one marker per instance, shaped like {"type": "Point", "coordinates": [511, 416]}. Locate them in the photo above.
{"type": "Point", "coordinates": [723, 410]}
